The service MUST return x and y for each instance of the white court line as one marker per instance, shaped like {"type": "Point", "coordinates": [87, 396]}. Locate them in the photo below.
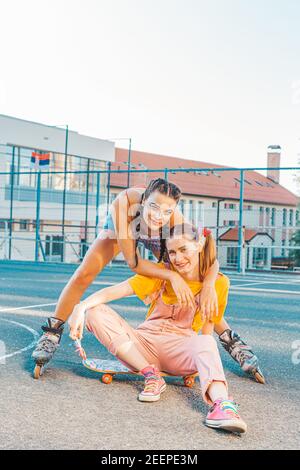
{"type": "Point", "coordinates": [261, 282]}
{"type": "Point", "coordinates": [260, 322]}
{"type": "Point", "coordinates": [249, 284]}
{"type": "Point", "coordinates": [268, 280]}
{"type": "Point", "coordinates": [276, 291]}
{"type": "Point", "coordinates": [31, 345]}
{"type": "Point", "coordinates": [21, 308]}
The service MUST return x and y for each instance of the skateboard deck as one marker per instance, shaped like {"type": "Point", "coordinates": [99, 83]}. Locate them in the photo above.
{"type": "Point", "coordinates": [110, 368]}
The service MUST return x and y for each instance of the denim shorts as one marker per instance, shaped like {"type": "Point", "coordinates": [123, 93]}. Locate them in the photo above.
{"type": "Point", "coordinates": [109, 223]}
{"type": "Point", "coordinates": [151, 244]}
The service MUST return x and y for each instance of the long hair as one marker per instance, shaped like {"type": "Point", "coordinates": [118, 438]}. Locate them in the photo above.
{"type": "Point", "coordinates": [164, 187]}
{"type": "Point", "coordinates": [207, 256]}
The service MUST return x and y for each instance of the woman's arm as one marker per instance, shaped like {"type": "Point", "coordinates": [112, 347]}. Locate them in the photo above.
{"type": "Point", "coordinates": [121, 212]}
{"type": "Point", "coordinates": [212, 274]}
{"type": "Point", "coordinates": [76, 320]}
{"type": "Point", "coordinates": [108, 294]}
{"type": "Point", "coordinates": [208, 295]}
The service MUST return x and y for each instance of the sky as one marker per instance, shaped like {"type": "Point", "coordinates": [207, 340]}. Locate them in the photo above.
{"type": "Point", "coordinates": [215, 81]}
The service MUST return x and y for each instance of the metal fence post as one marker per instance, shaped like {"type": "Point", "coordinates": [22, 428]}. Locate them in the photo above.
{"type": "Point", "coordinates": [37, 216]}
{"type": "Point", "coordinates": [64, 195]}
{"type": "Point", "coordinates": [243, 252]}
{"type": "Point", "coordinates": [97, 205]}
{"type": "Point", "coordinates": [166, 174]}
{"type": "Point", "coordinates": [108, 188]}
{"type": "Point", "coordinates": [12, 174]}
{"type": "Point", "coordinates": [241, 213]}
{"type": "Point", "coordinates": [129, 164]}
{"type": "Point", "coordinates": [87, 202]}
{"type": "Point", "coordinates": [218, 221]}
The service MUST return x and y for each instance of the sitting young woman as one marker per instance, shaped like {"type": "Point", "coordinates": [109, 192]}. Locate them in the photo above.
{"type": "Point", "coordinates": [168, 339]}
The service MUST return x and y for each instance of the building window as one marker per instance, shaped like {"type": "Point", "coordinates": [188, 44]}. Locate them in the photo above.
{"type": "Point", "coordinates": [228, 205]}
{"type": "Point", "coordinates": [232, 255]}
{"type": "Point", "coordinates": [297, 217]}
{"type": "Point", "coordinates": [83, 248]}
{"type": "Point", "coordinates": [260, 257]}
{"type": "Point", "coordinates": [291, 217]}
{"type": "Point", "coordinates": [4, 224]}
{"type": "Point", "coordinates": [284, 217]}
{"type": "Point", "coordinates": [54, 245]}
{"type": "Point", "coordinates": [200, 212]}
{"type": "Point", "coordinates": [273, 216]}
{"type": "Point", "coordinates": [24, 225]}
{"type": "Point", "coordinates": [181, 205]}
{"type": "Point", "coordinates": [247, 207]}
{"type": "Point", "coordinates": [214, 204]}
{"type": "Point", "coordinates": [191, 211]}
{"type": "Point", "coordinates": [230, 223]}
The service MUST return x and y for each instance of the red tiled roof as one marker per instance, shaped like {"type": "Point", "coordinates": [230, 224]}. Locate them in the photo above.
{"type": "Point", "coordinates": [232, 235]}
{"type": "Point", "coordinates": [224, 184]}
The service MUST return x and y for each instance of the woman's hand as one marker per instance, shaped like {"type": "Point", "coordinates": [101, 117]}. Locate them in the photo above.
{"type": "Point", "coordinates": [208, 302]}
{"type": "Point", "coordinates": [76, 322]}
{"type": "Point", "coordinates": [182, 291]}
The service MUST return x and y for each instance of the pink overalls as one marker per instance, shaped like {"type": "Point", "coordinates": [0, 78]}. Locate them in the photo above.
{"type": "Point", "coordinates": [165, 339]}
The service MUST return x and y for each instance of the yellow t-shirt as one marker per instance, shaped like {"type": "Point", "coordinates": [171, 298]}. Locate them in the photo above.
{"type": "Point", "coordinates": [147, 289]}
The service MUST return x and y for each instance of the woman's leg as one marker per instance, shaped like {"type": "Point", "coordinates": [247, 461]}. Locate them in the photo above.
{"type": "Point", "coordinates": [231, 341]}
{"type": "Point", "coordinates": [217, 390]}
{"type": "Point", "coordinates": [129, 346]}
{"type": "Point", "coordinates": [120, 338]}
{"type": "Point", "coordinates": [221, 327]}
{"type": "Point", "coordinates": [101, 252]}
{"type": "Point", "coordinates": [184, 355]}
{"type": "Point", "coordinates": [104, 248]}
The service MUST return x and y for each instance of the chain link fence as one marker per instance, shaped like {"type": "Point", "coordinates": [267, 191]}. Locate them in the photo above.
{"type": "Point", "coordinates": [54, 214]}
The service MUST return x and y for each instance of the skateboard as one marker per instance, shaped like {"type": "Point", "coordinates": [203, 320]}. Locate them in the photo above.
{"type": "Point", "coordinates": [109, 368]}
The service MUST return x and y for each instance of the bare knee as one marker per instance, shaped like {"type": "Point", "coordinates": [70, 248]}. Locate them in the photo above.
{"type": "Point", "coordinates": [93, 314]}
{"type": "Point", "coordinates": [99, 315]}
{"type": "Point", "coordinates": [83, 278]}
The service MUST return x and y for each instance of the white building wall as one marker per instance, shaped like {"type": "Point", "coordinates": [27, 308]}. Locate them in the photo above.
{"type": "Point", "coordinates": [38, 136]}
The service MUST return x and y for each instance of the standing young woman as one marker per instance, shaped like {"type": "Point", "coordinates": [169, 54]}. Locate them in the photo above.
{"type": "Point", "coordinates": [139, 216]}
{"type": "Point", "coordinates": [168, 340]}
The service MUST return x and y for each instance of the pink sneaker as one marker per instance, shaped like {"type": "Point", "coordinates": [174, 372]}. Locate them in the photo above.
{"type": "Point", "coordinates": [224, 415]}
{"type": "Point", "coordinates": [154, 384]}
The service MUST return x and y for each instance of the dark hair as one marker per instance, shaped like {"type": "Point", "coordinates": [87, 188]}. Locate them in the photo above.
{"type": "Point", "coordinates": [164, 187]}
{"type": "Point", "coordinates": [207, 257]}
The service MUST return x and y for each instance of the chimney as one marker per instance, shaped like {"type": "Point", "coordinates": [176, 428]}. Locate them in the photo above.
{"type": "Point", "coordinates": [274, 154]}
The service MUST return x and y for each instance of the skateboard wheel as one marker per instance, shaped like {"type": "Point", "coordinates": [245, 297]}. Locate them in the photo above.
{"type": "Point", "coordinates": [259, 377]}
{"type": "Point", "coordinates": [37, 371]}
{"type": "Point", "coordinates": [189, 382]}
{"type": "Point", "coordinates": [106, 378]}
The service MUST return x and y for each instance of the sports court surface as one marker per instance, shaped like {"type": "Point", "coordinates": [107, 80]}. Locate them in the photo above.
{"type": "Point", "coordinates": [69, 408]}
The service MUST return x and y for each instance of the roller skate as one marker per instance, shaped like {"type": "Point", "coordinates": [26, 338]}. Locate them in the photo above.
{"type": "Point", "coordinates": [47, 344]}
{"type": "Point", "coordinates": [242, 354]}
